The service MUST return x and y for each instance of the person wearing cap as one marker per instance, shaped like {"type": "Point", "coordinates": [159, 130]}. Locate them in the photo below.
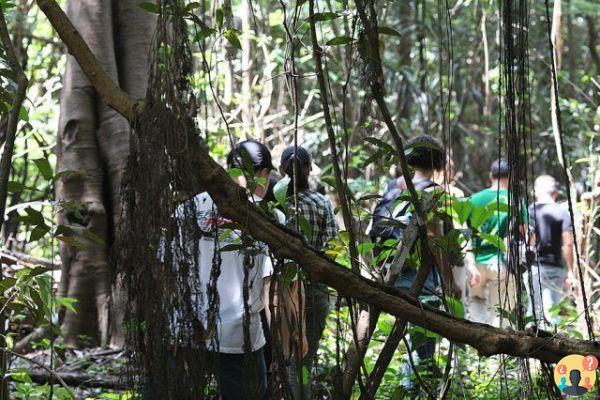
{"type": "Point", "coordinates": [237, 341]}
{"type": "Point", "coordinates": [553, 240]}
{"type": "Point", "coordinates": [491, 285]}
{"type": "Point", "coordinates": [310, 213]}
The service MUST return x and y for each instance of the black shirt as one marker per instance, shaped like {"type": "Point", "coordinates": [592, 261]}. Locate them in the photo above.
{"type": "Point", "coordinates": [549, 220]}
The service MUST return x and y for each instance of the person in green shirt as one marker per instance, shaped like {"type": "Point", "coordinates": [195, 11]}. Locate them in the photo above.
{"type": "Point", "coordinates": [490, 284]}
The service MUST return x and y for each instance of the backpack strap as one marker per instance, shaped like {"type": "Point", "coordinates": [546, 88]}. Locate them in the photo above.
{"type": "Point", "coordinates": [401, 208]}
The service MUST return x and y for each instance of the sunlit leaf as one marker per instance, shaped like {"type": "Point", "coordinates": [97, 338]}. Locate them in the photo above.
{"type": "Point", "coordinates": [386, 30]}
{"type": "Point", "coordinates": [339, 40]}
{"type": "Point", "coordinates": [232, 38]}
{"type": "Point", "coordinates": [326, 16]}
{"type": "Point", "coordinates": [44, 167]}
{"type": "Point", "coordinates": [150, 7]}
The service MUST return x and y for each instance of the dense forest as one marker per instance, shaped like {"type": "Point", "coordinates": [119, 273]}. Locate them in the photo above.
{"type": "Point", "coordinates": [326, 199]}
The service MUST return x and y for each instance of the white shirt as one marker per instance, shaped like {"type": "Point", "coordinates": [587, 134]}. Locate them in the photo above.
{"type": "Point", "coordinates": [229, 337]}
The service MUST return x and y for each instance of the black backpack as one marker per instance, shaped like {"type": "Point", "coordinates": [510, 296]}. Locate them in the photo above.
{"type": "Point", "coordinates": [387, 222]}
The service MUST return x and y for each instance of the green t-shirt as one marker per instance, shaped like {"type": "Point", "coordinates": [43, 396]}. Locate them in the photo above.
{"type": "Point", "coordinates": [497, 224]}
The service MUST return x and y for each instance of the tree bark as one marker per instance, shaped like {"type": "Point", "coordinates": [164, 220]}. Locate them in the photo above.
{"type": "Point", "coordinates": [233, 203]}
{"type": "Point", "coordinates": [6, 162]}
{"type": "Point", "coordinates": [93, 139]}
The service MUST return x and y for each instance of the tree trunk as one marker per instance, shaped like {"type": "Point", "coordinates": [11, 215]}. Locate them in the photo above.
{"type": "Point", "coordinates": [93, 139]}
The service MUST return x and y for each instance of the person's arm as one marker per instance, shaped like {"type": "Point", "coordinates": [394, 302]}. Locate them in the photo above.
{"type": "Point", "coordinates": [568, 248]}
{"type": "Point", "coordinates": [266, 298]}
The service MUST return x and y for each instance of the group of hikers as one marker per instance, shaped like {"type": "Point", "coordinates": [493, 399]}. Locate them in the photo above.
{"type": "Point", "coordinates": [247, 305]}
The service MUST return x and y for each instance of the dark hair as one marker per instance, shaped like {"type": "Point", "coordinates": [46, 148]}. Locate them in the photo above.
{"type": "Point", "coordinates": [302, 158]}
{"type": "Point", "coordinates": [424, 152]}
{"type": "Point", "coordinates": [250, 151]}
{"type": "Point", "coordinates": [500, 168]}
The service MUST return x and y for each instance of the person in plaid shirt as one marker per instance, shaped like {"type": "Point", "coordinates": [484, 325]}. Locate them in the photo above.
{"type": "Point", "coordinates": [310, 213]}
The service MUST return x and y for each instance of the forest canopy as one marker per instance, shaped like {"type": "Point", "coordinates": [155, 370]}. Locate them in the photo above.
{"type": "Point", "coordinates": [416, 181]}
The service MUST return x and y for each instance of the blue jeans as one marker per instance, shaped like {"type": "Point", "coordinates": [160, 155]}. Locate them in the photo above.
{"type": "Point", "coordinates": [548, 291]}
{"type": "Point", "coordinates": [421, 355]}
{"type": "Point", "coordinates": [241, 377]}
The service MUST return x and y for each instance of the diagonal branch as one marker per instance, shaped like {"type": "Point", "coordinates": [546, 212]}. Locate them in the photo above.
{"type": "Point", "coordinates": [6, 161]}
{"type": "Point", "coordinates": [342, 188]}
{"type": "Point", "coordinates": [13, 116]}
{"type": "Point", "coordinates": [233, 203]}
{"type": "Point", "coordinates": [110, 92]}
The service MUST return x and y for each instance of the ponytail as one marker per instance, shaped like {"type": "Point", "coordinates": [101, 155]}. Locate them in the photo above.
{"type": "Point", "coordinates": [301, 175]}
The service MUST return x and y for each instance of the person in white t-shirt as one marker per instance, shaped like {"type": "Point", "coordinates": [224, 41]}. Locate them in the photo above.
{"type": "Point", "coordinates": [236, 332]}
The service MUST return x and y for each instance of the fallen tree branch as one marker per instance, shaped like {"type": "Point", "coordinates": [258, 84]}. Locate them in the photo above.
{"type": "Point", "coordinates": [9, 257]}
{"type": "Point", "coordinates": [80, 379]}
{"type": "Point", "coordinates": [233, 203]}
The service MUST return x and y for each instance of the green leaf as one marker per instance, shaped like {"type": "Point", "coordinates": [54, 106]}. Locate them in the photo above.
{"type": "Point", "coordinates": [326, 16]}
{"type": "Point", "coordinates": [204, 33]}
{"type": "Point", "coordinates": [365, 248]}
{"type": "Point", "coordinates": [340, 40]}
{"type": "Point", "coordinates": [7, 283]}
{"type": "Point", "coordinates": [380, 144]}
{"type": "Point", "coordinates": [14, 187]}
{"type": "Point", "coordinates": [19, 375]}
{"type": "Point", "coordinates": [70, 230]}
{"type": "Point", "coordinates": [498, 206]}
{"type": "Point", "coordinates": [235, 173]}
{"type": "Point", "coordinates": [38, 232]}
{"type": "Point", "coordinates": [305, 375]}
{"type": "Point", "coordinates": [68, 303]}
{"type": "Point", "coordinates": [7, 5]}
{"type": "Point", "coordinates": [219, 18]}
{"type": "Point", "coordinates": [455, 307]}
{"type": "Point", "coordinates": [463, 210]}
{"type": "Point", "coordinates": [494, 240]}
{"type": "Point", "coordinates": [330, 180]}
{"type": "Point", "coordinates": [34, 217]}
{"type": "Point", "coordinates": [44, 167]}
{"type": "Point", "coordinates": [280, 191]}
{"type": "Point", "coordinates": [386, 30]}
{"type": "Point", "coordinates": [369, 197]}
{"type": "Point", "coordinates": [344, 237]}
{"type": "Point", "coordinates": [305, 227]}
{"type": "Point", "coordinates": [71, 242]}
{"type": "Point", "coordinates": [23, 114]}
{"type": "Point", "coordinates": [479, 215]}
{"type": "Point", "coordinates": [150, 7]}
{"type": "Point", "coordinates": [233, 247]}
{"type": "Point", "coordinates": [290, 272]}
{"type": "Point", "coordinates": [385, 326]}
{"type": "Point", "coordinates": [193, 5]}
{"type": "Point", "coordinates": [232, 38]}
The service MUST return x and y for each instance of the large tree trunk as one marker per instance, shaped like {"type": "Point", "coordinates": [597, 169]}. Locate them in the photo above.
{"type": "Point", "coordinates": [93, 139]}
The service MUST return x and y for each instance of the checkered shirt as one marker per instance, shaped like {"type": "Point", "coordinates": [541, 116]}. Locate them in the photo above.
{"type": "Point", "coordinates": [316, 218]}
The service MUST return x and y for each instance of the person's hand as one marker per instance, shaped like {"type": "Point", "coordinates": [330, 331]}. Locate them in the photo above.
{"type": "Point", "coordinates": [475, 276]}
{"type": "Point", "coordinates": [569, 282]}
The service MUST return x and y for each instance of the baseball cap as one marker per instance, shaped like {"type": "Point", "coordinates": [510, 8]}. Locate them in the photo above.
{"type": "Point", "coordinates": [301, 154]}
{"type": "Point", "coordinates": [255, 152]}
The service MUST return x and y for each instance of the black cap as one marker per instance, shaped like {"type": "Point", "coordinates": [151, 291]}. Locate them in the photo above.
{"type": "Point", "coordinates": [301, 154]}
{"type": "Point", "coordinates": [255, 152]}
